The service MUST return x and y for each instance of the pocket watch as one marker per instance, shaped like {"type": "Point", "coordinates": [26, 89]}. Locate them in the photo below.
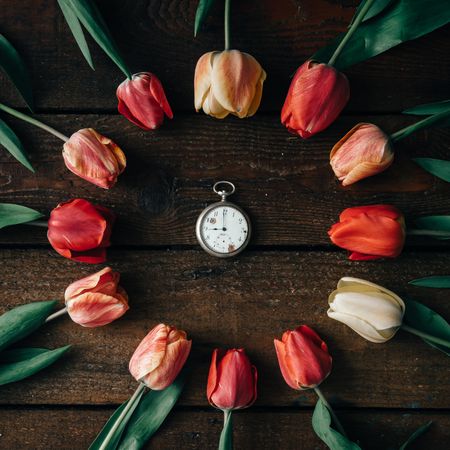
{"type": "Point", "coordinates": [223, 229]}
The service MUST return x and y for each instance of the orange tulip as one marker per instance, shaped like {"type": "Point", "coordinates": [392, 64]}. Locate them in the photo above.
{"type": "Point", "coordinates": [303, 358]}
{"type": "Point", "coordinates": [364, 151]}
{"type": "Point", "coordinates": [316, 97]}
{"type": "Point", "coordinates": [142, 101]}
{"type": "Point", "coordinates": [228, 82]}
{"type": "Point", "coordinates": [94, 157]}
{"type": "Point", "coordinates": [370, 232]}
{"type": "Point", "coordinates": [160, 356]}
{"type": "Point", "coordinates": [231, 380]}
{"type": "Point", "coordinates": [97, 299]}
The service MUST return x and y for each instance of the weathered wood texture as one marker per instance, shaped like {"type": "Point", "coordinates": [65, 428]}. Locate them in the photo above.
{"type": "Point", "coordinates": [285, 183]}
{"type": "Point", "coordinates": [244, 302]}
{"type": "Point", "coordinates": [158, 36]}
{"type": "Point", "coordinates": [71, 428]}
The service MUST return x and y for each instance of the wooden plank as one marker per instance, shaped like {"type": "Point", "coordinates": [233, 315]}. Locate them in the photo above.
{"type": "Point", "coordinates": [73, 428]}
{"type": "Point", "coordinates": [158, 36]}
{"type": "Point", "coordinates": [243, 302]}
{"type": "Point", "coordinates": [285, 183]}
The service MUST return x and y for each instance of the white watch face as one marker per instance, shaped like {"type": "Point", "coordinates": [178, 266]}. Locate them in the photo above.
{"type": "Point", "coordinates": [224, 229]}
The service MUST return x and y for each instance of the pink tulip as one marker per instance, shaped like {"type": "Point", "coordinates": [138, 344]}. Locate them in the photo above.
{"type": "Point", "coordinates": [160, 356]}
{"type": "Point", "coordinates": [97, 299]}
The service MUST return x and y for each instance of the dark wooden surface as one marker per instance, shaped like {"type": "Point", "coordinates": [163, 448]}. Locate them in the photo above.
{"type": "Point", "coordinates": [382, 392]}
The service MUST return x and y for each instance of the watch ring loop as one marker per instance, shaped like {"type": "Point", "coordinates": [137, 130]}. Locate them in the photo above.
{"type": "Point", "coordinates": [223, 192]}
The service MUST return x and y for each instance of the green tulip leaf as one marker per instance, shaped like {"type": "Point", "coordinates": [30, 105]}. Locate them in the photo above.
{"type": "Point", "coordinates": [377, 7]}
{"type": "Point", "coordinates": [22, 321]}
{"type": "Point", "coordinates": [11, 214]}
{"type": "Point", "coordinates": [439, 282]}
{"type": "Point", "coordinates": [428, 323]}
{"type": "Point", "coordinates": [435, 226]}
{"type": "Point", "coordinates": [114, 442]}
{"type": "Point", "coordinates": [17, 364]}
{"type": "Point", "coordinates": [90, 17]}
{"type": "Point", "coordinates": [203, 9]}
{"type": "Point", "coordinates": [400, 22]}
{"type": "Point", "coordinates": [150, 414]}
{"type": "Point", "coordinates": [321, 422]}
{"type": "Point", "coordinates": [12, 143]}
{"type": "Point", "coordinates": [428, 109]}
{"type": "Point", "coordinates": [438, 167]}
{"type": "Point", "coordinates": [77, 30]}
{"type": "Point", "coordinates": [421, 430]}
{"type": "Point", "coordinates": [12, 64]}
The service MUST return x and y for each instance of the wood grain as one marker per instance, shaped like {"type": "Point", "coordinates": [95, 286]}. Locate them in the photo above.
{"type": "Point", "coordinates": [71, 428]}
{"type": "Point", "coordinates": [244, 302]}
{"type": "Point", "coordinates": [284, 183]}
{"type": "Point", "coordinates": [158, 36]}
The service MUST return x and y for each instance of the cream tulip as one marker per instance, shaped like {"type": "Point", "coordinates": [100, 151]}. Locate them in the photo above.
{"type": "Point", "coordinates": [374, 312]}
{"type": "Point", "coordinates": [228, 82]}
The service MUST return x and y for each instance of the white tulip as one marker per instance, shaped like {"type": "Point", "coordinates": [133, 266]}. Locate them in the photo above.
{"type": "Point", "coordinates": [372, 311]}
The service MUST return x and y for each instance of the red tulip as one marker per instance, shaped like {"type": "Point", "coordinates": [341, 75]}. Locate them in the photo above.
{"type": "Point", "coordinates": [160, 356]}
{"type": "Point", "coordinates": [80, 231]}
{"type": "Point", "coordinates": [97, 299]}
{"type": "Point", "coordinates": [370, 232]}
{"type": "Point", "coordinates": [316, 97]}
{"type": "Point", "coordinates": [232, 380]}
{"type": "Point", "coordinates": [94, 157]}
{"type": "Point", "coordinates": [364, 151]}
{"type": "Point", "coordinates": [142, 101]}
{"type": "Point", "coordinates": [303, 358]}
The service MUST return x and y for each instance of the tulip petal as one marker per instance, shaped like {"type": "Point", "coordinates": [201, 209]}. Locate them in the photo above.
{"type": "Point", "coordinates": [233, 80]}
{"type": "Point", "coordinates": [285, 369]}
{"type": "Point", "coordinates": [104, 281]}
{"type": "Point", "coordinates": [173, 361]}
{"type": "Point", "coordinates": [157, 91]}
{"type": "Point", "coordinates": [212, 107]}
{"type": "Point", "coordinates": [96, 309]}
{"type": "Point", "coordinates": [371, 210]}
{"type": "Point", "coordinates": [202, 79]}
{"type": "Point", "coordinates": [258, 96]}
{"type": "Point", "coordinates": [365, 170]}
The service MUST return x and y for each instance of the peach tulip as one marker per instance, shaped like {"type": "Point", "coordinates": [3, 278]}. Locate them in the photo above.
{"type": "Point", "coordinates": [364, 151]}
{"type": "Point", "coordinates": [228, 82]}
{"type": "Point", "coordinates": [316, 97]}
{"type": "Point", "coordinates": [303, 358]}
{"type": "Point", "coordinates": [160, 356]}
{"type": "Point", "coordinates": [370, 232]}
{"type": "Point", "coordinates": [94, 157]}
{"type": "Point", "coordinates": [97, 299]}
{"type": "Point", "coordinates": [231, 380]}
{"type": "Point", "coordinates": [142, 101]}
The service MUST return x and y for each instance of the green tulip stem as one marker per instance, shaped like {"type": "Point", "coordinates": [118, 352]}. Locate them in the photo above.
{"type": "Point", "coordinates": [226, 437]}
{"type": "Point", "coordinates": [336, 421]}
{"type": "Point", "coordinates": [38, 223]}
{"type": "Point", "coordinates": [130, 407]}
{"type": "Point", "coordinates": [432, 233]}
{"type": "Point", "coordinates": [56, 314]}
{"type": "Point", "coordinates": [227, 24]}
{"type": "Point", "coordinates": [428, 337]}
{"type": "Point", "coordinates": [351, 30]}
{"type": "Point", "coordinates": [431, 120]}
{"type": "Point", "coordinates": [33, 121]}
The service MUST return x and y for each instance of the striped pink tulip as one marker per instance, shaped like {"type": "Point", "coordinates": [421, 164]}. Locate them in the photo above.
{"type": "Point", "coordinates": [97, 299]}
{"type": "Point", "coordinates": [94, 157]}
{"type": "Point", "coordinates": [160, 356]}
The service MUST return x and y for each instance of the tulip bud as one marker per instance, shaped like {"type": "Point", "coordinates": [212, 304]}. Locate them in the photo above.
{"type": "Point", "coordinates": [317, 95]}
{"type": "Point", "coordinates": [160, 356]}
{"type": "Point", "coordinates": [79, 230]}
{"type": "Point", "coordinates": [142, 101]}
{"type": "Point", "coordinates": [364, 151]}
{"type": "Point", "coordinates": [370, 232]}
{"type": "Point", "coordinates": [97, 299]}
{"type": "Point", "coordinates": [228, 82]}
{"type": "Point", "coordinates": [94, 157]}
{"type": "Point", "coordinates": [303, 358]}
{"type": "Point", "coordinates": [374, 312]}
{"type": "Point", "coordinates": [232, 380]}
